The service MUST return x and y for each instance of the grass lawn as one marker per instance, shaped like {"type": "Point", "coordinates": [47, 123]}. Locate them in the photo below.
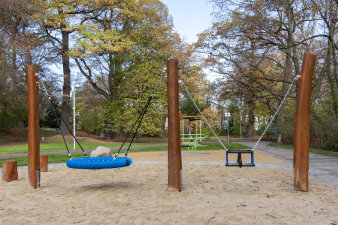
{"type": "Point", "coordinates": [313, 150]}
{"type": "Point", "coordinates": [224, 138]}
{"type": "Point", "coordinates": [46, 147]}
{"type": "Point", "coordinates": [51, 159]}
{"type": "Point", "coordinates": [64, 157]}
{"type": "Point", "coordinates": [20, 134]}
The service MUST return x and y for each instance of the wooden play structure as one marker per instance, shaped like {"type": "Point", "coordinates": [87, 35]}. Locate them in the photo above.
{"type": "Point", "coordinates": [301, 142]}
{"type": "Point", "coordinates": [301, 138]}
{"type": "Point", "coordinates": [192, 121]}
{"type": "Point", "coordinates": [191, 134]}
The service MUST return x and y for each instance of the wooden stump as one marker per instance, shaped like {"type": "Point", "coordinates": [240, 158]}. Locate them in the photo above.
{"type": "Point", "coordinates": [9, 171]}
{"type": "Point", "coordinates": [43, 163]}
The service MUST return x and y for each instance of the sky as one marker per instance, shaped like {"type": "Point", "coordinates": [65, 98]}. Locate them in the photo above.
{"type": "Point", "coordinates": [190, 17]}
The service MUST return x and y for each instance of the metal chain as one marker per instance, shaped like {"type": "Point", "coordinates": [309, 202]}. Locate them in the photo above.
{"type": "Point", "coordinates": [55, 114]}
{"type": "Point", "coordinates": [280, 106]}
{"type": "Point", "coordinates": [186, 89]}
{"type": "Point", "coordinates": [144, 110]}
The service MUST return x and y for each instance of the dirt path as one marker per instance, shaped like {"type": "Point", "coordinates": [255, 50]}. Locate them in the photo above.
{"type": "Point", "coordinates": [138, 194]}
{"type": "Point", "coordinates": [324, 168]}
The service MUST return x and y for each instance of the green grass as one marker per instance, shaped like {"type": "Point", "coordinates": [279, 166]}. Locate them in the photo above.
{"type": "Point", "coordinates": [313, 150]}
{"type": "Point", "coordinates": [64, 157]}
{"type": "Point", "coordinates": [47, 147]}
{"type": "Point", "coordinates": [20, 134]}
{"type": "Point", "coordinates": [219, 146]}
{"type": "Point", "coordinates": [224, 138]}
{"type": "Point", "coordinates": [51, 159]}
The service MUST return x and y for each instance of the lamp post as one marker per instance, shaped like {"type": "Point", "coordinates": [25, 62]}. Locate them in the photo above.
{"type": "Point", "coordinates": [227, 115]}
{"type": "Point", "coordinates": [74, 115]}
{"type": "Point", "coordinates": [240, 123]}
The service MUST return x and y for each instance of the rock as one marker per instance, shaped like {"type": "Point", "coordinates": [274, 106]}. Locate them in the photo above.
{"type": "Point", "coordinates": [101, 151]}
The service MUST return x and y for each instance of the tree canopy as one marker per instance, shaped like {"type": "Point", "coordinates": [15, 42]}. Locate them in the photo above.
{"type": "Point", "coordinates": [116, 51]}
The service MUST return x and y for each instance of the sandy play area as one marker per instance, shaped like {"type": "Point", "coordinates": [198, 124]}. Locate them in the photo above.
{"type": "Point", "coordinates": [212, 194]}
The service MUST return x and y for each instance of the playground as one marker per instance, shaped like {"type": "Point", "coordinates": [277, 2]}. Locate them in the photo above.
{"type": "Point", "coordinates": [211, 194]}
{"type": "Point", "coordinates": [173, 186]}
{"type": "Point", "coordinates": [111, 114]}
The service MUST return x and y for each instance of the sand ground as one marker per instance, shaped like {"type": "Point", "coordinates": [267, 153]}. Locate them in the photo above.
{"type": "Point", "coordinates": [211, 194]}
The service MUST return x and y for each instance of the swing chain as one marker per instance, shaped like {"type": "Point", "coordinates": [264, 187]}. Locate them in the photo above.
{"type": "Point", "coordinates": [186, 89]}
{"type": "Point", "coordinates": [140, 118]}
{"type": "Point", "coordinates": [279, 107]}
{"type": "Point", "coordinates": [56, 117]}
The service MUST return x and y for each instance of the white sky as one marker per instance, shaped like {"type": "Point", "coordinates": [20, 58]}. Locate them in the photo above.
{"type": "Point", "coordinates": [190, 17]}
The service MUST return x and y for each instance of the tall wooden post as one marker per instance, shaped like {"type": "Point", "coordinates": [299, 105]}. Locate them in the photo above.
{"type": "Point", "coordinates": [174, 149]}
{"type": "Point", "coordinates": [301, 137]}
{"type": "Point", "coordinates": [33, 128]}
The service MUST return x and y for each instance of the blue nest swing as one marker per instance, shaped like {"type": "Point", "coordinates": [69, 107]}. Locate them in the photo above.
{"type": "Point", "coordinates": [98, 162]}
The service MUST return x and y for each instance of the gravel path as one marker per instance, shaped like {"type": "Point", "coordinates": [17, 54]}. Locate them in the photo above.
{"type": "Point", "coordinates": [323, 168]}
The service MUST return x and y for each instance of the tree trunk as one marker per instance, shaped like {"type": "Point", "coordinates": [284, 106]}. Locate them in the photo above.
{"type": "Point", "coordinates": [287, 72]}
{"type": "Point", "coordinates": [331, 78]}
{"type": "Point", "coordinates": [122, 134]}
{"type": "Point", "coordinates": [14, 71]}
{"type": "Point", "coordinates": [66, 81]}
{"type": "Point", "coordinates": [251, 121]}
{"type": "Point", "coordinates": [3, 74]}
{"type": "Point", "coordinates": [163, 121]}
{"type": "Point", "coordinates": [331, 56]}
{"type": "Point", "coordinates": [288, 63]}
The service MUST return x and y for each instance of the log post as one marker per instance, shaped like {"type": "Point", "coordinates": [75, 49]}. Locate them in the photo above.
{"type": "Point", "coordinates": [174, 148]}
{"type": "Point", "coordinates": [33, 128]}
{"type": "Point", "coordinates": [43, 163]}
{"type": "Point", "coordinates": [9, 171]}
{"type": "Point", "coordinates": [301, 137]}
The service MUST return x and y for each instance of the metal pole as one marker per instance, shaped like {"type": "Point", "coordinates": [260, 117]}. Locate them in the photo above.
{"type": "Point", "coordinates": [174, 149]}
{"type": "Point", "coordinates": [74, 115]}
{"type": "Point", "coordinates": [301, 137]}
{"type": "Point", "coordinates": [33, 128]}
{"type": "Point", "coordinates": [228, 130]}
{"type": "Point", "coordinates": [240, 123]}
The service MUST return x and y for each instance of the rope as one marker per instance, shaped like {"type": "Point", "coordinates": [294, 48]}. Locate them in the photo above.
{"type": "Point", "coordinates": [186, 89]}
{"type": "Point", "coordinates": [56, 113]}
{"type": "Point", "coordinates": [63, 137]}
{"type": "Point", "coordinates": [138, 126]}
{"type": "Point", "coordinates": [70, 131]}
{"type": "Point", "coordinates": [279, 107]}
{"type": "Point", "coordinates": [140, 118]}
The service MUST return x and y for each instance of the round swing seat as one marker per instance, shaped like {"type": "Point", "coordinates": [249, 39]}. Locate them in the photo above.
{"type": "Point", "coordinates": [98, 162]}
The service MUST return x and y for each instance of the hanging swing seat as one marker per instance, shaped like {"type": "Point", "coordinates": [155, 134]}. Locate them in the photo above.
{"type": "Point", "coordinates": [98, 162]}
{"type": "Point", "coordinates": [239, 153]}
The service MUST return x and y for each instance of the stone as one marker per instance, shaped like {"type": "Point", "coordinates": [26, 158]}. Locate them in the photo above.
{"type": "Point", "coordinates": [101, 151]}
